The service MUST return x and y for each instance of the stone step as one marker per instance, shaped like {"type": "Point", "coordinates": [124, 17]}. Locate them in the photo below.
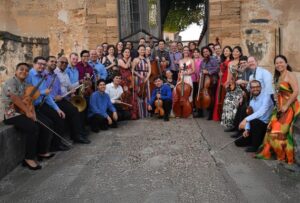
{"type": "Point", "coordinates": [12, 148]}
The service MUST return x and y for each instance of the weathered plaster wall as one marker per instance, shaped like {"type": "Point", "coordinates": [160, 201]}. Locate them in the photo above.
{"type": "Point", "coordinates": [254, 25]}
{"type": "Point", "coordinates": [71, 25]}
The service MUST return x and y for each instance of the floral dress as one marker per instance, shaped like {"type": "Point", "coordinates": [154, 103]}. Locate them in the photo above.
{"type": "Point", "coordinates": [231, 103]}
{"type": "Point", "coordinates": [279, 137]}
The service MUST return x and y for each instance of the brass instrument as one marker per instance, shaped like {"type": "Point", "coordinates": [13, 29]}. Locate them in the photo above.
{"type": "Point", "coordinates": [79, 101]}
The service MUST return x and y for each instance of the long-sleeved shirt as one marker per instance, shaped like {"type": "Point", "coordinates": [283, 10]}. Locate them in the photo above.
{"type": "Point", "coordinates": [165, 92]}
{"type": "Point", "coordinates": [174, 56]}
{"type": "Point", "coordinates": [211, 65]}
{"type": "Point", "coordinates": [33, 79]}
{"type": "Point", "coordinates": [73, 75]}
{"type": "Point", "coordinates": [99, 69]}
{"type": "Point", "coordinates": [99, 104]}
{"type": "Point", "coordinates": [262, 106]}
{"type": "Point", "coordinates": [265, 78]}
{"type": "Point", "coordinates": [113, 92]}
{"type": "Point", "coordinates": [55, 89]}
{"type": "Point", "coordinates": [64, 81]}
{"type": "Point", "coordinates": [83, 70]}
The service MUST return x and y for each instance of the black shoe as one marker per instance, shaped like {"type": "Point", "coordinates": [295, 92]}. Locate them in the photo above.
{"type": "Point", "coordinates": [114, 125]}
{"type": "Point", "coordinates": [251, 149]}
{"type": "Point", "coordinates": [209, 118]}
{"type": "Point", "coordinates": [41, 158]}
{"type": "Point", "coordinates": [242, 142]}
{"type": "Point", "coordinates": [25, 164]}
{"type": "Point", "coordinates": [166, 119]}
{"type": "Point", "coordinates": [82, 141]}
{"type": "Point", "coordinates": [236, 135]}
{"type": "Point", "coordinates": [229, 130]}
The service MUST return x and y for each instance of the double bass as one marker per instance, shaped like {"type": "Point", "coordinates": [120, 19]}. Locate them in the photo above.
{"type": "Point", "coordinates": [182, 107]}
{"type": "Point", "coordinates": [203, 99]}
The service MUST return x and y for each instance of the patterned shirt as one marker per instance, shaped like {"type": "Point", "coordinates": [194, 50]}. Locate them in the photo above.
{"type": "Point", "coordinates": [16, 87]}
{"type": "Point", "coordinates": [64, 80]}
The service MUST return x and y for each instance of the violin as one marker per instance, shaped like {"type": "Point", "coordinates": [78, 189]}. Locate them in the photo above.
{"type": "Point", "coordinates": [159, 107]}
{"type": "Point", "coordinates": [182, 107]}
{"type": "Point", "coordinates": [203, 99]}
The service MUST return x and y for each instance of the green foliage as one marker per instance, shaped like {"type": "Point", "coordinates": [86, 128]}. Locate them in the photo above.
{"type": "Point", "coordinates": [183, 13]}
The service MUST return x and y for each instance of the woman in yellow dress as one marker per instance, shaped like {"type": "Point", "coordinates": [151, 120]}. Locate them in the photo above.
{"type": "Point", "coordinates": [279, 137]}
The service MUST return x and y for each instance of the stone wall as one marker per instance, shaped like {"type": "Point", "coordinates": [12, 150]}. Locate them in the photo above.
{"type": "Point", "coordinates": [71, 25]}
{"type": "Point", "coordinates": [254, 25]}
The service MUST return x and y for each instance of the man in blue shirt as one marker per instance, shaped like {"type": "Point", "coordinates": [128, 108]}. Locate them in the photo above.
{"type": "Point", "coordinates": [97, 66]}
{"type": "Point", "coordinates": [255, 124]}
{"type": "Point", "coordinates": [72, 69]}
{"type": "Point", "coordinates": [101, 112]}
{"type": "Point", "coordinates": [44, 103]}
{"type": "Point", "coordinates": [72, 114]}
{"type": "Point", "coordinates": [163, 92]}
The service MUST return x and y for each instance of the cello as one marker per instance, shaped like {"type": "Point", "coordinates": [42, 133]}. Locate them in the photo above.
{"type": "Point", "coordinates": [182, 107]}
{"type": "Point", "coordinates": [203, 99]}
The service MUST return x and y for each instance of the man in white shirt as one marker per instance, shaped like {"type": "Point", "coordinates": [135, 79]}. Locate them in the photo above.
{"type": "Point", "coordinates": [262, 75]}
{"type": "Point", "coordinates": [115, 91]}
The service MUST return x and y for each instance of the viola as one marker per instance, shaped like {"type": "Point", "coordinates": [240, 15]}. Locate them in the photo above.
{"type": "Point", "coordinates": [182, 107]}
{"type": "Point", "coordinates": [203, 99]}
{"type": "Point", "coordinates": [159, 107]}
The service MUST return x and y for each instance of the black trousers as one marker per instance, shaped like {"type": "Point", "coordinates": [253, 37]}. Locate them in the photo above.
{"type": "Point", "coordinates": [175, 75]}
{"type": "Point", "coordinates": [58, 122]}
{"type": "Point", "coordinates": [213, 90]}
{"type": "Point", "coordinates": [257, 133]}
{"type": "Point", "coordinates": [240, 115]}
{"type": "Point", "coordinates": [98, 122]}
{"type": "Point", "coordinates": [37, 138]}
{"type": "Point", "coordinates": [72, 118]}
{"type": "Point", "coordinates": [122, 114]}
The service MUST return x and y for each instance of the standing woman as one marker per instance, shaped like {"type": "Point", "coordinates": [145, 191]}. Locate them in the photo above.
{"type": "Point", "coordinates": [125, 68]}
{"type": "Point", "coordinates": [111, 63]}
{"type": "Point", "coordinates": [192, 47]}
{"type": "Point", "coordinates": [196, 74]}
{"type": "Point", "coordinates": [279, 137]}
{"type": "Point", "coordinates": [189, 71]}
{"type": "Point", "coordinates": [225, 58]}
{"type": "Point", "coordinates": [141, 69]}
{"type": "Point", "coordinates": [119, 53]}
{"type": "Point", "coordinates": [234, 92]}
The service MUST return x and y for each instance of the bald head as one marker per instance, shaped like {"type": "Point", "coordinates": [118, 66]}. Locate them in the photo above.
{"type": "Point", "coordinates": [93, 55]}
{"type": "Point", "coordinates": [62, 63]}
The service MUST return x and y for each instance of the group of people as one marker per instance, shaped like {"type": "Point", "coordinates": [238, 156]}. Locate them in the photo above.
{"type": "Point", "coordinates": [114, 83]}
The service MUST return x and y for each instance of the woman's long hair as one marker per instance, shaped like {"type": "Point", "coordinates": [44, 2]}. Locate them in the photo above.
{"type": "Point", "coordinates": [277, 73]}
{"type": "Point", "coordinates": [223, 57]}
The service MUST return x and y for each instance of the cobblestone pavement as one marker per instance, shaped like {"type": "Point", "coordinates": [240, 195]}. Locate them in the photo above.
{"type": "Point", "coordinates": [153, 161]}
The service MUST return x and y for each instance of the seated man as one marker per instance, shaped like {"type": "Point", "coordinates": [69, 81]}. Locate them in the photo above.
{"type": "Point", "coordinates": [59, 80]}
{"type": "Point", "coordinates": [101, 112]}
{"type": "Point", "coordinates": [163, 92]}
{"type": "Point", "coordinates": [255, 125]}
{"type": "Point", "coordinates": [115, 91]}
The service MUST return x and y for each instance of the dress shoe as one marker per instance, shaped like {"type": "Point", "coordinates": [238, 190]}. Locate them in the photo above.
{"type": "Point", "coordinates": [229, 130]}
{"type": "Point", "coordinates": [41, 158]}
{"type": "Point", "coordinates": [166, 119]}
{"type": "Point", "coordinates": [236, 135]}
{"type": "Point", "coordinates": [37, 167]}
{"type": "Point", "coordinates": [251, 149]}
{"type": "Point", "coordinates": [82, 140]}
{"type": "Point", "coordinates": [242, 142]}
{"type": "Point", "coordinates": [61, 147]}
{"type": "Point", "coordinates": [114, 125]}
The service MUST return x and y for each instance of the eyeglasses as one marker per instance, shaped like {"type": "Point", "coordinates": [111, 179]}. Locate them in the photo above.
{"type": "Point", "coordinates": [85, 56]}
{"type": "Point", "coordinates": [255, 87]}
{"type": "Point", "coordinates": [63, 62]}
{"type": "Point", "coordinates": [23, 69]}
{"type": "Point", "coordinates": [41, 64]}
{"type": "Point", "coordinates": [53, 61]}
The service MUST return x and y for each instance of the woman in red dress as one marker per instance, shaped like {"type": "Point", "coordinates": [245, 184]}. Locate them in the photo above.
{"type": "Point", "coordinates": [226, 57]}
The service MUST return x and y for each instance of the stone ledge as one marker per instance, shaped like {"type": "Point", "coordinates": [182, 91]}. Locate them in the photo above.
{"type": "Point", "coordinates": [12, 148]}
